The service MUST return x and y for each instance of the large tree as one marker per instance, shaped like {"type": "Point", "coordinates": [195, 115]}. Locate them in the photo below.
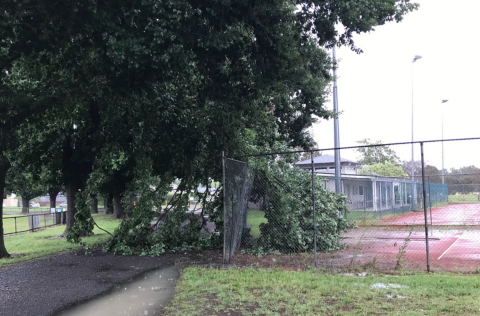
{"type": "Point", "coordinates": [376, 153]}
{"type": "Point", "coordinates": [170, 85]}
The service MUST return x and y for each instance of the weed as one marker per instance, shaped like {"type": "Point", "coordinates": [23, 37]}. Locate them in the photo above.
{"type": "Point", "coordinates": [402, 251]}
{"type": "Point", "coordinates": [356, 250]}
{"type": "Point", "coordinates": [372, 265]}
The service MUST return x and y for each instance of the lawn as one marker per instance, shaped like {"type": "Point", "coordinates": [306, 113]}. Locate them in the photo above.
{"type": "Point", "coordinates": [464, 198]}
{"type": "Point", "coordinates": [43, 242]}
{"type": "Point", "coordinates": [19, 223]}
{"type": "Point", "coordinates": [41, 209]}
{"type": "Point", "coordinates": [18, 210]}
{"type": "Point", "coordinates": [363, 217]}
{"type": "Point", "coordinates": [255, 218]}
{"type": "Point", "coordinates": [202, 291]}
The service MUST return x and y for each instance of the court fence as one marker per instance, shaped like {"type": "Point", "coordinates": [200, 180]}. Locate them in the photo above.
{"type": "Point", "coordinates": [294, 204]}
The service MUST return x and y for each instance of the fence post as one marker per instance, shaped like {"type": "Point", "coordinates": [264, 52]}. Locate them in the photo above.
{"type": "Point", "coordinates": [224, 217]}
{"type": "Point", "coordinates": [314, 217]}
{"type": "Point", "coordinates": [425, 208]}
{"type": "Point", "coordinates": [15, 225]}
{"type": "Point", "coordinates": [430, 201]}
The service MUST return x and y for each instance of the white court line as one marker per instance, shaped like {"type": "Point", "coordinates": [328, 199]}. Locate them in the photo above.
{"type": "Point", "coordinates": [448, 248]}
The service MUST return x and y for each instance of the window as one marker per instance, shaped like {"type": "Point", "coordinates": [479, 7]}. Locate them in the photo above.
{"type": "Point", "coordinates": [360, 190]}
{"type": "Point", "coordinates": [396, 193]}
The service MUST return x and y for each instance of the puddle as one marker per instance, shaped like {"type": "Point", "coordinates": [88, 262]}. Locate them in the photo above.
{"type": "Point", "coordinates": [395, 296]}
{"type": "Point", "coordinates": [474, 256]}
{"type": "Point", "coordinates": [144, 296]}
{"type": "Point", "coordinates": [362, 274]}
{"type": "Point", "coordinates": [387, 286]}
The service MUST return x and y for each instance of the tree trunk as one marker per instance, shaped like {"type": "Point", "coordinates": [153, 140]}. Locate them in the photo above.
{"type": "Point", "coordinates": [94, 206]}
{"type": "Point", "coordinates": [72, 189]}
{"type": "Point", "coordinates": [109, 204]}
{"type": "Point", "coordinates": [25, 206]}
{"type": "Point", "coordinates": [117, 206]}
{"type": "Point", "coordinates": [52, 193]}
{"type": "Point", "coordinates": [4, 166]}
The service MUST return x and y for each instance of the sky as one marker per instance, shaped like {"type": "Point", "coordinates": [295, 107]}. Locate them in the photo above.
{"type": "Point", "coordinates": [375, 87]}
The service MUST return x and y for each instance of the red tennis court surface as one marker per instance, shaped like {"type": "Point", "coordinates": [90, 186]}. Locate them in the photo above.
{"type": "Point", "coordinates": [450, 215]}
{"type": "Point", "coordinates": [451, 246]}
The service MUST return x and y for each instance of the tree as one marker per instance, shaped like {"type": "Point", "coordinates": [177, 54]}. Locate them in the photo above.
{"type": "Point", "coordinates": [288, 192]}
{"type": "Point", "coordinates": [4, 166]}
{"type": "Point", "coordinates": [22, 184]}
{"type": "Point", "coordinates": [377, 154]}
{"type": "Point", "coordinates": [94, 205]}
{"type": "Point", "coordinates": [432, 174]}
{"type": "Point", "coordinates": [417, 168]}
{"type": "Point", "coordinates": [14, 111]}
{"type": "Point", "coordinates": [307, 155]}
{"type": "Point", "coordinates": [387, 169]}
{"type": "Point", "coordinates": [464, 179]}
{"type": "Point", "coordinates": [132, 79]}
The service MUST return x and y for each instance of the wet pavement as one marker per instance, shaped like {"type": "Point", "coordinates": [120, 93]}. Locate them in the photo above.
{"type": "Point", "coordinates": [146, 295]}
{"type": "Point", "coordinates": [49, 285]}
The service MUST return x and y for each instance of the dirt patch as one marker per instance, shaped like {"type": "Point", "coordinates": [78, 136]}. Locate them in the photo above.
{"type": "Point", "coordinates": [16, 255]}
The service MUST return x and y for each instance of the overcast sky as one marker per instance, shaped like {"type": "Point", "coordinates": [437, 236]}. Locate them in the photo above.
{"type": "Point", "coordinates": [375, 87]}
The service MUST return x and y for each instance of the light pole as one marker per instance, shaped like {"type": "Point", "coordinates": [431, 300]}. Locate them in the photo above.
{"type": "Point", "coordinates": [417, 57]}
{"type": "Point", "coordinates": [443, 168]}
{"type": "Point", "coordinates": [336, 133]}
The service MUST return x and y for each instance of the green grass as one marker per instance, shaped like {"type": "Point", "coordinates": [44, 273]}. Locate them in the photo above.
{"type": "Point", "coordinates": [40, 243]}
{"type": "Point", "coordinates": [463, 198]}
{"type": "Point", "coordinates": [366, 218]}
{"type": "Point", "coordinates": [255, 218]}
{"type": "Point", "coordinates": [41, 209]}
{"type": "Point", "coordinates": [17, 223]}
{"type": "Point", "coordinates": [18, 210]}
{"type": "Point", "coordinates": [363, 217]}
{"type": "Point", "coordinates": [202, 291]}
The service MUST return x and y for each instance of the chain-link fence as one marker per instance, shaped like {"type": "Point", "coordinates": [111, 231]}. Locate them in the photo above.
{"type": "Point", "coordinates": [385, 217]}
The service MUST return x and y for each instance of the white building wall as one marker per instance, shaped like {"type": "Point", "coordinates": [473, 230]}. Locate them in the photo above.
{"type": "Point", "coordinates": [10, 201]}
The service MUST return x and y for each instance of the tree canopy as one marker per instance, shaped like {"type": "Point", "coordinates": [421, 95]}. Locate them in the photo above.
{"type": "Point", "coordinates": [387, 169]}
{"type": "Point", "coordinates": [377, 154]}
{"type": "Point", "coordinates": [151, 90]}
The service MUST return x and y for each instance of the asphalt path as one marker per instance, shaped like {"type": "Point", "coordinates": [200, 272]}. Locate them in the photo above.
{"type": "Point", "coordinates": [48, 285]}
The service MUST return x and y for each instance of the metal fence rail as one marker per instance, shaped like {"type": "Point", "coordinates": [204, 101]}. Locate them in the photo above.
{"type": "Point", "coordinates": [31, 222]}
{"type": "Point", "coordinates": [13, 210]}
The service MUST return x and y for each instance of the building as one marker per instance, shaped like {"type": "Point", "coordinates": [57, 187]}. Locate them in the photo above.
{"type": "Point", "coordinates": [326, 164]}
{"type": "Point", "coordinates": [365, 192]}
{"type": "Point", "coordinates": [376, 193]}
{"type": "Point", "coordinates": [10, 201]}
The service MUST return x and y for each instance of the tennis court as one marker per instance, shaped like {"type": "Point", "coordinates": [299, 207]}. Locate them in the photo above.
{"type": "Point", "coordinates": [454, 239]}
{"type": "Point", "coordinates": [449, 215]}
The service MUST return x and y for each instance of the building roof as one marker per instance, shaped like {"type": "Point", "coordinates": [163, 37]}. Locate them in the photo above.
{"type": "Point", "coordinates": [323, 159]}
{"type": "Point", "coordinates": [363, 177]}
